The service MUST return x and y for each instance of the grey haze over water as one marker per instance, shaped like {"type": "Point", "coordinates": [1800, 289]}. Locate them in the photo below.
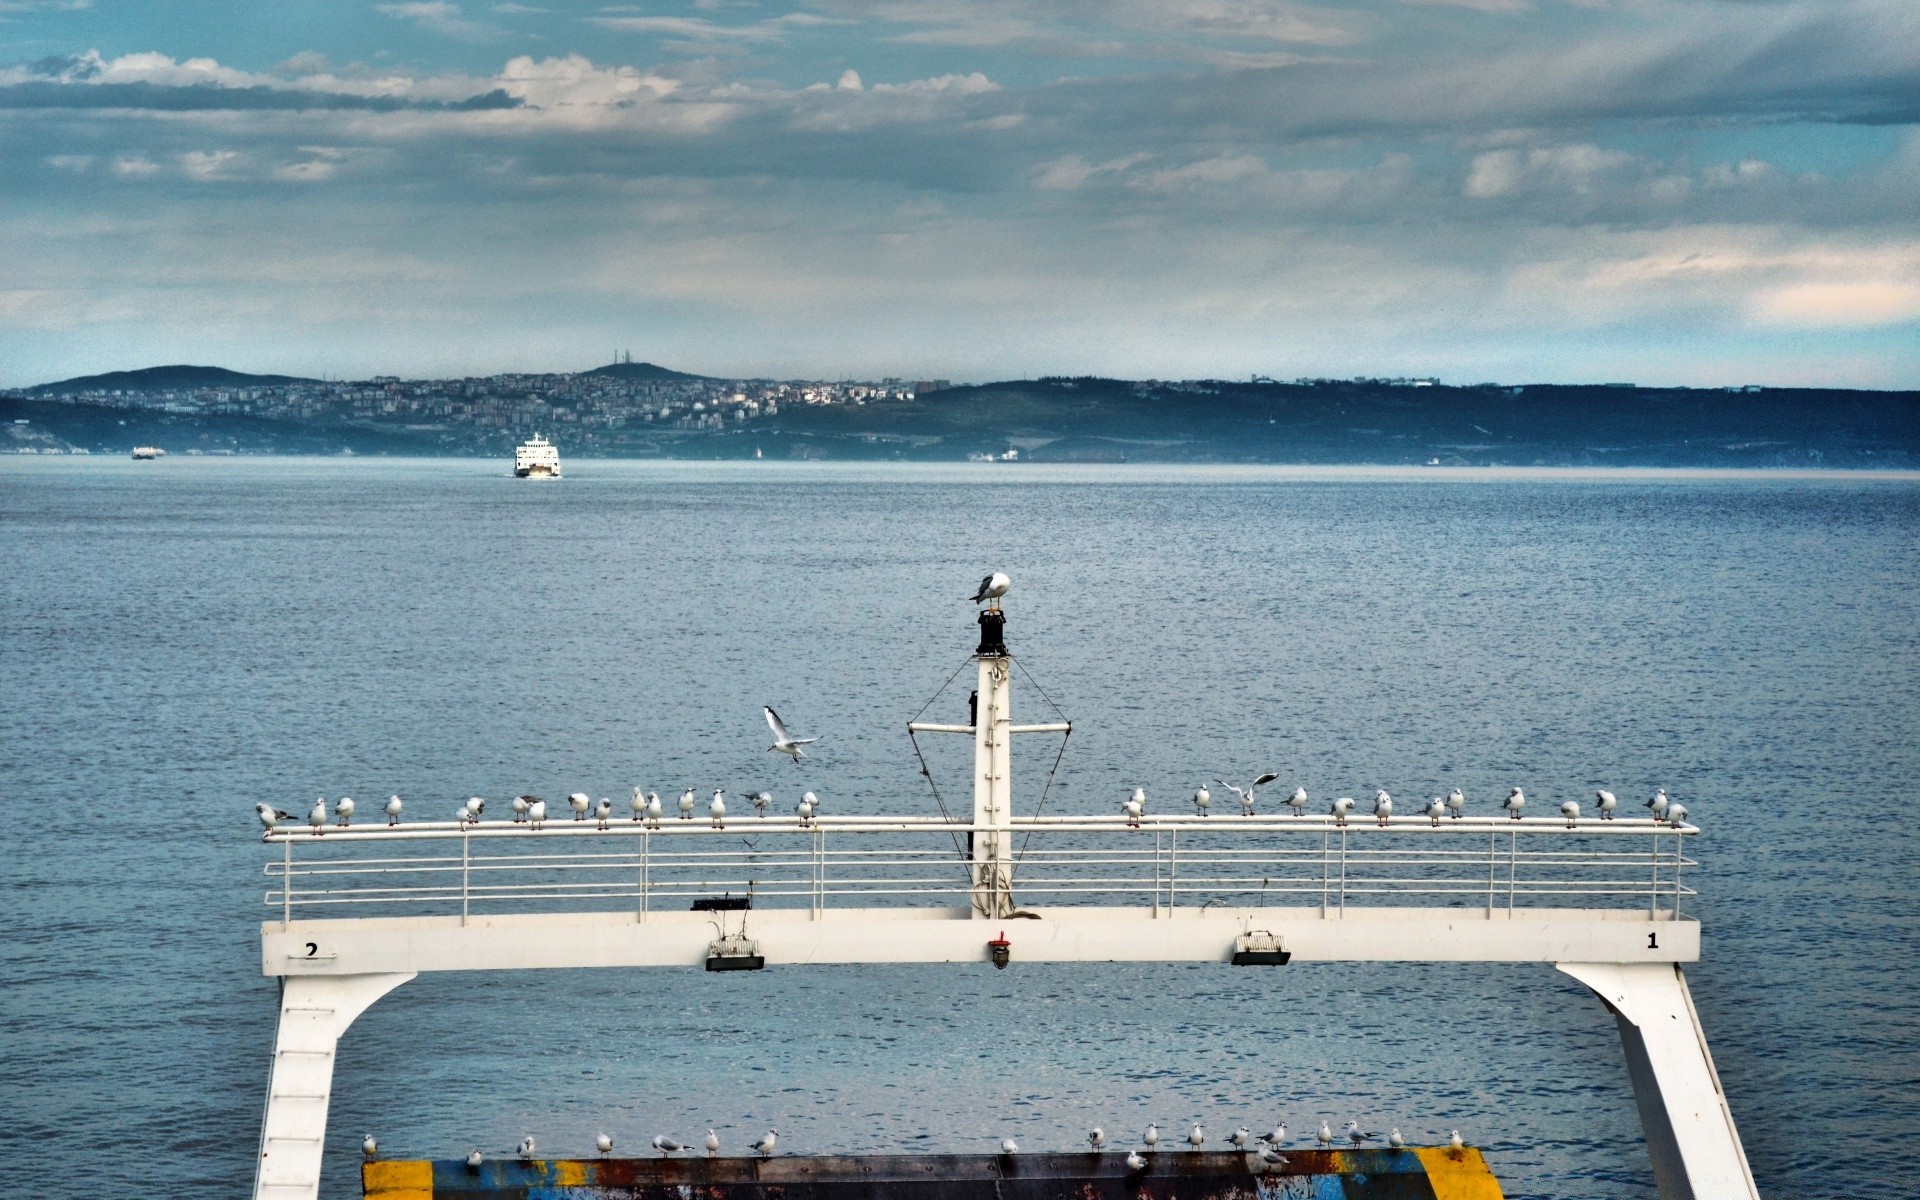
{"type": "Point", "coordinates": [187, 637]}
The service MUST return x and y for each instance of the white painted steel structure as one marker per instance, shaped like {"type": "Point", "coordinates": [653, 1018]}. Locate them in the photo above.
{"type": "Point", "coordinates": [357, 912]}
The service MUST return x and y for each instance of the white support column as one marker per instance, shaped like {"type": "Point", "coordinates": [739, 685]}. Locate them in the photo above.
{"type": "Point", "coordinates": [992, 789]}
{"type": "Point", "coordinates": [1690, 1133]}
{"type": "Point", "coordinates": [314, 1011]}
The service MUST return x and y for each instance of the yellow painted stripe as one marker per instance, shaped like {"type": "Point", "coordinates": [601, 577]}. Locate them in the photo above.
{"type": "Point", "coordinates": [397, 1180]}
{"type": "Point", "coordinates": [1458, 1174]}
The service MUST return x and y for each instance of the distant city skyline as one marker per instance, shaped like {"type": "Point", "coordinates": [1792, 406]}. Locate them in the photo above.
{"type": "Point", "coordinates": [1702, 192]}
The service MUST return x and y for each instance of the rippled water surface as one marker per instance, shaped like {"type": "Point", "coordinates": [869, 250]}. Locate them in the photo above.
{"type": "Point", "coordinates": [184, 638]}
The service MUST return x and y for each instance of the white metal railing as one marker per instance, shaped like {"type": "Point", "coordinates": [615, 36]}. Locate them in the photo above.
{"type": "Point", "coordinates": [1493, 864]}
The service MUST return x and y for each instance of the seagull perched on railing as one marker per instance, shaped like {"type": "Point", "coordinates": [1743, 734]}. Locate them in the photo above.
{"type": "Point", "coordinates": [475, 1159]}
{"type": "Point", "coordinates": [344, 810]}
{"type": "Point", "coordinates": [393, 810]}
{"type": "Point", "coordinates": [1454, 1140]}
{"type": "Point", "coordinates": [1570, 809]}
{"type": "Point", "coordinates": [765, 1145]}
{"type": "Point", "coordinates": [1240, 1137]}
{"type": "Point", "coordinates": [1152, 1136]}
{"type": "Point", "coordinates": [580, 802]}
{"type": "Point", "coordinates": [1298, 801]}
{"type": "Point", "coordinates": [1436, 809]}
{"type": "Point", "coordinates": [1382, 807]}
{"type": "Point", "coordinates": [1202, 800]}
{"type": "Point", "coordinates": [317, 817]}
{"type": "Point", "coordinates": [1009, 1146]}
{"type": "Point", "coordinates": [537, 813]}
{"type": "Point", "coordinates": [604, 1143]}
{"type": "Point", "coordinates": [475, 806]}
{"type": "Point", "coordinates": [804, 809]}
{"type": "Point", "coordinates": [1135, 1163]}
{"type": "Point", "coordinates": [686, 805]}
{"type": "Point", "coordinates": [603, 811]}
{"type": "Point", "coordinates": [1604, 801]}
{"type": "Point", "coordinates": [1357, 1136]}
{"type": "Point", "coordinates": [818, 805]}
{"type": "Point", "coordinates": [1457, 803]}
{"type": "Point", "coordinates": [1278, 1135]}
{"type": "Point", "coordinates": [653, 809]}
{"type": "Point", "coordinates": [520, 806]}
{"type": "Point", "coordinates": [718, 808]}
{"type": "Point", "coordinates": [712, 1143]}
{"type": "Point", "coordinates": [370, 1148]}
{"type": "Point", "coordinates": [1658, 804]}
{"type": "Point", "coordinates": [1196, 1137]}
{"type": "Point", "coordinates": [1134, 806]}
{"type": "Point", "coordinates": [1272, 1157]}
{"type": "Point", "coordinates": [462, 816]}
{"type": "Point", "coordinates": [1676, 815]}
{"type": "Point", "coordinates": [1096, 1139]}
{"type": "Point", "coordinates": [269, 816]}
{"type": "Point", "coordinates": [1340, 809]}
{"type": "Point", "coordinates": [761, 801]}
{"type": "Point", "coordinates": [992, 588]}
{"type": "Point", "coordinates": [1325, 1136]}
{"type": "Point", "coordinates": [639, 803]}
{"type": "Point", "coordinates": [1516, 800]}
{"type": "Point", "coordinates": [784, 742]}
{"type": "Point", "coordinates": [525, 1151]}
{"type": "Point", "coordinates": [666, 1145]}
{"type": "Point", "coordinates": [1245, 794]}
{"type": "Point", "coordinates": [1395, 1140]}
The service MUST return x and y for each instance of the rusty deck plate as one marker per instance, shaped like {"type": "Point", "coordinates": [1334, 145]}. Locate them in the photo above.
{"type": "Point", "coordinates": [1440, 1173]}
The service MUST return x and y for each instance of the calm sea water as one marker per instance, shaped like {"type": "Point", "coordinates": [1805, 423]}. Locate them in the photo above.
{"type": "Point", "coordinates": [181, 639]}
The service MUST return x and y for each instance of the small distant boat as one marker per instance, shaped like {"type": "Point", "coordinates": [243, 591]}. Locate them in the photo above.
{"type": "Point", "coordinates": [536, 458]}
{"type": "Point", "coordinates": [146, 452]}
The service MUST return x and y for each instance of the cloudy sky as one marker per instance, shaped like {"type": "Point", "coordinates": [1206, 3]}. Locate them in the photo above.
{"type": "Point", "coordinates": [1665, 191]}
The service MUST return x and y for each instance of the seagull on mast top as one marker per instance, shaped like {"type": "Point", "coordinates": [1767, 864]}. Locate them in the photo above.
{"type": "Point", "coordinates": [992, 588]}
{"type": "Point", "coordinates": [783, 741]}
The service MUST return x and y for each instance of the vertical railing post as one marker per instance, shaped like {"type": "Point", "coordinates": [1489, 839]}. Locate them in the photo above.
{"type": "Point", "coordinates": [1513, 866]}
{"type": "Point", "coordinates": [640, 902]}
{"type": "Point", "coordinates": [1493, 857]}
{"type": "Point", "coordinates": [1679, 857]}
{"type": "Point", "coordinates": [1157, 840]}
{"type": "Point", "coordinates": [1326, 868]}
{"type": "Point", "coordinates": [466, 857]}
{"type": "Point", "coordinates": [1173, 868]}
{"type": "Point", "coordinates": [286, 884]}
{"type": "Point", "coordinates": [1653, 889]}
{"type": "Point", "coordinates": [1343, 870]}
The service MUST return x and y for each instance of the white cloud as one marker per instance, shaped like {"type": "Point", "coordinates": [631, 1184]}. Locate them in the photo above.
{"type": "Point", "coordinates": [439, 16]}
{"type": "Point", "coordinates": [209, 165]}
{"type": "Point", "coordinates": [849, 81]}
{"type": "Point", "coordinates": [964, 85]}
{"type": "Point", "coordinates": [577, 81]}
{"type": "Point", "coordinates": [135, 166]}
{"type": "Point", "coordinates": [1071, 171]}
{"type": "Point", "coordinates": [1572, 168]}
{"type": "Point", "coordinates": [1829, 305]}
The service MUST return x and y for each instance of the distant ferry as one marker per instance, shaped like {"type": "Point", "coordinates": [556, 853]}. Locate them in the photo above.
{"type": "Point", "coordinates": [536, 458]}
{"type": "Point", "coordinates": [145, 452]}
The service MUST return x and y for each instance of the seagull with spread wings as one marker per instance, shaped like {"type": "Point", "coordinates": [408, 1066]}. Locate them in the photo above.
{"type": "Point", "coordinates": [784, 742]}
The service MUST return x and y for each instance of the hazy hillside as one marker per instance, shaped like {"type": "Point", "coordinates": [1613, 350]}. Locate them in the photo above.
{"type": "Point", "coordinates": [160, 379]}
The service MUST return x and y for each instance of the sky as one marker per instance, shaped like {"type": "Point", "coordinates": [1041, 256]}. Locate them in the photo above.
{"type": "Point", "coordinates": [1698, 192]}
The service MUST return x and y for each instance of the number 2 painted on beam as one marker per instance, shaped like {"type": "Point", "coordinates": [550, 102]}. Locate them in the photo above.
{"type": "Point", "coordinates": [313, 948]}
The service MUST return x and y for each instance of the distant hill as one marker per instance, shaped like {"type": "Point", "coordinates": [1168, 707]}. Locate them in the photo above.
{"type": "Point", "coordinates": [160, 379]}
{"type": "Point", "coordinates": [644, 372]}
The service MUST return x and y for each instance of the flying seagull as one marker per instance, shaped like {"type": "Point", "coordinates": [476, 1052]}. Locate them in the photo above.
{"type": "Point", "coordinates": [269, 815]}
{"type": "Point", "coordinates": [992, 587]}
{"type": "Point", "coordinates": [784, 742]}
